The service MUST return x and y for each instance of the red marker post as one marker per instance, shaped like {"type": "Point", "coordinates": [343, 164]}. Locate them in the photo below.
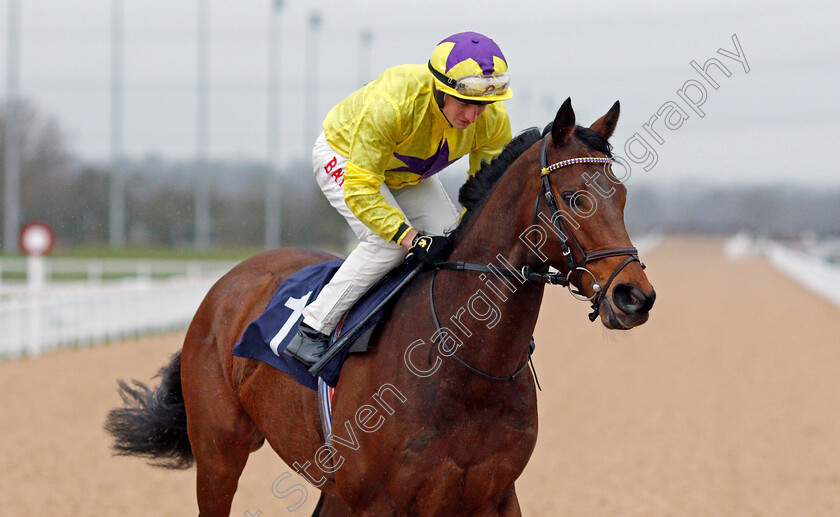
{"type": "Point", "coordinates": [36, 239]}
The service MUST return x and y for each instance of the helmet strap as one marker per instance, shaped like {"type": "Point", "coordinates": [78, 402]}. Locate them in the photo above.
{"type": "Point", "coordinates": [438, 96]}
{"type": "Point", "coordinates": [448, 81]}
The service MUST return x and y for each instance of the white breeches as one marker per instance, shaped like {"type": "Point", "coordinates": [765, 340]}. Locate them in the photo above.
{"type": "Point", "coordinates": [426, 206]}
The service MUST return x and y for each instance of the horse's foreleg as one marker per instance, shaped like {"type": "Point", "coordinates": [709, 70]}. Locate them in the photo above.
{"type": "Point", "coordinates": [506, 506]}
{"type": "Point", "coordinates": [331, 506]}
{"type": "Point", "coordinates": [510, 504]}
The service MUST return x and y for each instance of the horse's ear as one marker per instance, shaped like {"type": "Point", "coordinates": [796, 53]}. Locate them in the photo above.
{"type": "Point", "coordinates": [605, 125]}
{"type": "Point", "coordinates": [564, 123]}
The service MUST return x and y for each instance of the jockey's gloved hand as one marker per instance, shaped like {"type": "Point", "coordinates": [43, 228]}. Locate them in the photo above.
{"type": "Point", "coordinates": [431, 248]}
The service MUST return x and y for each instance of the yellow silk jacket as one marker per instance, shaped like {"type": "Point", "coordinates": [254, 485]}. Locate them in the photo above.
{"type": "Point", "coordinates": [392, 131]}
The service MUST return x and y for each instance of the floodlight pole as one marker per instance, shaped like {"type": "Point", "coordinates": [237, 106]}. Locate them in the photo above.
{"type": "Point", "coordinates": [116, 205]}
{"type": "Point", "coordinates": [310, 86]}
{"type": "Point", "coordinates": [202, 179]}
{"type": "Point", "coordinates": [272, 180]}
{"type": "Point", "coordinates": [365, 39]}
{"type": "Point", "coordinates": [11, 181]}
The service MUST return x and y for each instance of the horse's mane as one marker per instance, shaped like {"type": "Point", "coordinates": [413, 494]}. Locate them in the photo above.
{"type": "Point", "coordinates": [476, 190]}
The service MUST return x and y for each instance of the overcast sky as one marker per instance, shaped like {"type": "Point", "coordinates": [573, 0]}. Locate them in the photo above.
{"type": "Point", "coordinates": [778, 123]}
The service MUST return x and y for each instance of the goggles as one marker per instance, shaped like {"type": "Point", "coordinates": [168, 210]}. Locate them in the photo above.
{"type": "Point", "coordinates": [475, 85]}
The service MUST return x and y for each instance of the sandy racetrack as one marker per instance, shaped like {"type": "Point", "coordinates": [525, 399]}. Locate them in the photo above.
{"type": "Point", "coordinates": [727, 402]}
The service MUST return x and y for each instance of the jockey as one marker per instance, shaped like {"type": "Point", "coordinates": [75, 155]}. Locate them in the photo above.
{"type": "Point", "coordinates": [376, 162]}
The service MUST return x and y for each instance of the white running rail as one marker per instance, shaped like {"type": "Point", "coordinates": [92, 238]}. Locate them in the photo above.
{"type": "Point", "coordinates": [815, 273]}
{"type": "Point", "coordinates": [96, 270]}
{"type": "Point", "coordinates": [84, 312]}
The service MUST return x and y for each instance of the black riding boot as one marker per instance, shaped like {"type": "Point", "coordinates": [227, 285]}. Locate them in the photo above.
{"type": "Point", "coordinates": [308, 345]}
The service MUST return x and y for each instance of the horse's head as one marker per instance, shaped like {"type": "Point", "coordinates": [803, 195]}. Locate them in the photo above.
{"type": "Point", "coordinates": [579, 226]}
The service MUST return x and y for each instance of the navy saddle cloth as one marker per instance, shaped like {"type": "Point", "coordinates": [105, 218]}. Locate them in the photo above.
{"type": "Point", "coordinates": [267, 336]}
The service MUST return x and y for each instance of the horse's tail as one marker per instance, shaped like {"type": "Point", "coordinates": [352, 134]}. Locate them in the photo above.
{"type": "Point", "coordinates": [154, 422]}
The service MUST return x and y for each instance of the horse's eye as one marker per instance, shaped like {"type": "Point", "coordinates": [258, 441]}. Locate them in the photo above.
{"type": "Point", "coordinates": [570, 199]}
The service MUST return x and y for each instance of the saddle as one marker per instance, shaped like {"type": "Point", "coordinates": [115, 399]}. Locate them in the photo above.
{"type": "Point", "coordinates": [267, 336]}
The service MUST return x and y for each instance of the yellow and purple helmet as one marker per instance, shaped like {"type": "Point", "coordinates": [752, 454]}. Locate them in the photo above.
{"type": "Point", "coordinates": [470, 66]}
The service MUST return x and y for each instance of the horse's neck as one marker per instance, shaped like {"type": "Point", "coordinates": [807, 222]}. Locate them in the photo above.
{"type": "Point", "coordinates": [501, 226]}
{"type": "Point", "coordinates": [500, 344]}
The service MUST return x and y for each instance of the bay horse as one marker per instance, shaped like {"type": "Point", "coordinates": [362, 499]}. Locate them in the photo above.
{"type": "Point", "coordinates": [418, 429]}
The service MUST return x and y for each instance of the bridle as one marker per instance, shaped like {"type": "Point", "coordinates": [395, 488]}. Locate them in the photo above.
{"type": "Point", "coordinates": [566, 238]}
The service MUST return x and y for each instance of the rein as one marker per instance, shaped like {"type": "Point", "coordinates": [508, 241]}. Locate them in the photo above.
{"type": "Point", "coordinates": [464, 363]}
{"type": "Point", "coordinates": [566, 238]}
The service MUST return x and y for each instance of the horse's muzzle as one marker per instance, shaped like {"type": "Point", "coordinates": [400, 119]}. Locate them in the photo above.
{"type": "Point", "coordinates": [633, 303]}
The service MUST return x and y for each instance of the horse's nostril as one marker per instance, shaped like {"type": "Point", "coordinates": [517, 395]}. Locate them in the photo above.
{"type": "Point", "coordinates": [630, 299]}
{"type": "Point", "coordinates": [650, 299]}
